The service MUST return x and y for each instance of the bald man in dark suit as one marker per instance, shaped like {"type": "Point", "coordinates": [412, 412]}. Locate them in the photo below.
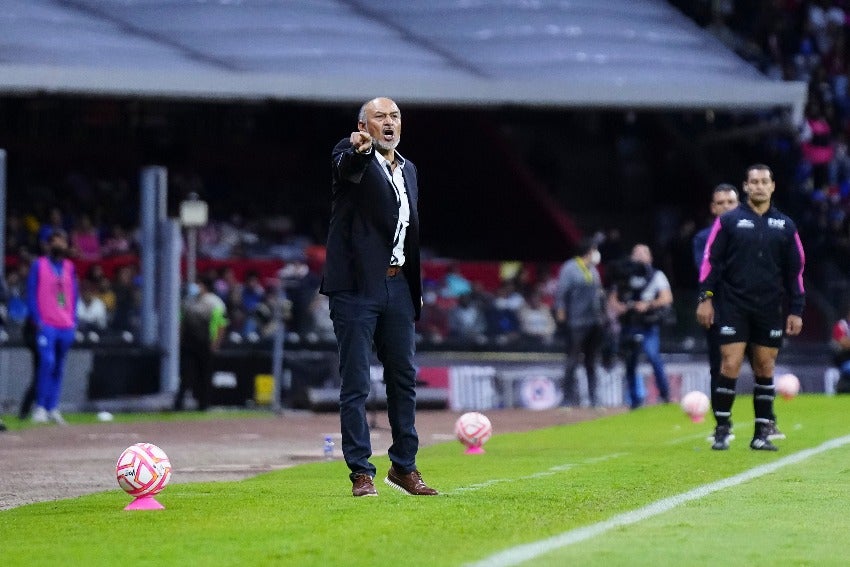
{"type": "Point", "coordinates": [372, 277]}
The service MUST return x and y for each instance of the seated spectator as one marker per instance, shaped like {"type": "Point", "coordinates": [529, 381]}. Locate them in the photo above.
{"type": "Point", "coordinates": [823, 20]}
{"type": "Point", "coordinates": [125, 301]}
{"type": "Point", "coordinates": [264, 319]}
{"type": "Point", "coordinates": [840, 344]}
{"type": "Point", "coordinates": [319, 325]}
{"type": "Point", "coordinates": [228, 287]}
{"type": "Point", "coordinates": [817, 144]}
{"type": "Point", "coordinates": [85, 240]}
{"type": "Point", "coordinates": [91, 311]}
{"type": "Point", "coordinates": [301, 289]}
{"type": "Point", "coordinates": [16, 302]}
{"type": "Point", "coordinates": [454, 284]}
{"type": "Point", "coordinates": [237, 325]}
{"type": "Point", "coordinates": [104, 291]}
{"type": "Point", "coordinates": [839, 167]}
{"type": "Point", "coordinates": [503, 314]}
{"type": "Point", "coordinates": [17, 235]}
{"type": "Point", "coordinates": [536, 322]}
{"type": "Point", "coordinates": [253, 291]}
{"type": "Point", "coordinates": [433, 323]}
{"type": "Point", "coordinates": [117, 243]}
{"type": "Point", "coordinates": [467, 323]}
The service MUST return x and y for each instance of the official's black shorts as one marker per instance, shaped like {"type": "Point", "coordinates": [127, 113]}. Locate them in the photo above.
{"type": "Point", "coordinates": [737, 324]}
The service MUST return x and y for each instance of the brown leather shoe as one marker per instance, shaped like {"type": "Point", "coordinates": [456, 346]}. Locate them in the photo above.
{"type": "Point", "coordinates": [410, 483]}
{"type": "Point", "coordinates": [363, 486]}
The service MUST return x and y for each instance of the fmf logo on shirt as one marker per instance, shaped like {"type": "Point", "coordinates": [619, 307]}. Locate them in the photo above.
{"type": "Point", "coordinates": [727, 331]}
{"type": "Point", "coordinates": [775, 333]}
{"type": "Point", "coordinates": [745, 223]}
{"type": "Point", "coordinates": [776, 223]}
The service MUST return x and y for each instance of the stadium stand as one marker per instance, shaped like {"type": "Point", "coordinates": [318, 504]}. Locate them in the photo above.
{"type": "Point", "coordinates": [579, 117]}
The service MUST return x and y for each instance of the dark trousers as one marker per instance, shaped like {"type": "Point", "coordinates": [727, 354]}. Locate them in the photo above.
{"type": "Point", "coordinates": [385, 321]}
{"type": "Point", "coordinates": [582, 341]}
{"type": "Point", "coordinates": [29, 395]}
{"type": "Point", "coordinates": [195, 375]}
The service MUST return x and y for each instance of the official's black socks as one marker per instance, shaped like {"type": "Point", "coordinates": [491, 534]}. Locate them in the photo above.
{"type": "Point", "coordinates": [763, 396]}
{"type": "Point", "coordinates": [722, 398]}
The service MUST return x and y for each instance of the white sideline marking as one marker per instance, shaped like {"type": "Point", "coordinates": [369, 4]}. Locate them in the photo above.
{"type": "Point", "coordinates": [548, 472]}
{"type": "Point", "coordinates": [528, 551]}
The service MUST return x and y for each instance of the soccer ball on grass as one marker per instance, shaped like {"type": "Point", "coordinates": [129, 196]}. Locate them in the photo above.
{"type": "Point", "coordinates": [788, 386]}
{"type": "Point", "coordinates": [142, 470]}
{"type": "Point", "coordinates": [473, 429]}
{"type": "Point", "coordinates": [695, 404]}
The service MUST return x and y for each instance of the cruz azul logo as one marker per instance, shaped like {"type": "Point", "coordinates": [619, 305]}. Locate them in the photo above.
{"type": "Point", "coordinates": [776, 223]}
{"type": "Point", "coordinates": [745, 223]}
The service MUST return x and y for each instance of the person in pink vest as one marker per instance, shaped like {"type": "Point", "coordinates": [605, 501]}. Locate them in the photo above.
{"type": "Point", "coordinates": [52, 297]}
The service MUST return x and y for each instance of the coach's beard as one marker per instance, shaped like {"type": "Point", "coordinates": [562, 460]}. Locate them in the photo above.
{"type": "Point", "coordinates": [385, 146]}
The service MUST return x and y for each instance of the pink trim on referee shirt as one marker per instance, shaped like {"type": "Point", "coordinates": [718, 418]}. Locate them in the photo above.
{"type": "Point", "coordinates": [705, 266]}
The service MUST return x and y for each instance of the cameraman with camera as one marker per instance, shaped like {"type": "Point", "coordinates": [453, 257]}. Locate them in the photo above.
{"type": "Point", "coordinates": [641, 298]}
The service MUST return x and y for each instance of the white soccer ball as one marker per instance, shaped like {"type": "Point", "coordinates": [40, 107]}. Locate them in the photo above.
{"type": "Point", "coordinates": [143, 469]}
{"type": "Point", "coordinates": [473, 429]}
{"type": "Point", "coordinates": [788, 386]}
{"type": "Point", "coordinates": [695, 404]}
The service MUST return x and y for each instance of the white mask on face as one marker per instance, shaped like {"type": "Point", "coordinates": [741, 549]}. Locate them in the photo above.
{"type": "Point", "coordinates": [595, 257]}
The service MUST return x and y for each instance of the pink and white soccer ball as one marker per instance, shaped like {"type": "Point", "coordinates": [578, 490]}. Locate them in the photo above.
{"type": "Point", "coordinates": [695, 404]}
{"type": "Point", "coordinates": [143, 469]}
{"type": "Point", "coordinates": [787, 386]}
{"type": "Point", "coordinates": [473, 429]}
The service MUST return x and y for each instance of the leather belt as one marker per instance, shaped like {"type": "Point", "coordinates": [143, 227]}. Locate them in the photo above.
{"type": "Point", "coordinates": [393, 271]}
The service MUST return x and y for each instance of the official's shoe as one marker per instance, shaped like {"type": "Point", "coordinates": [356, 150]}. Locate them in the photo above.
{"type": "Point", "coordinates": [363, 486]}
{"type": "Point", "coordinates": [2, 426]}
{"type": "Point", "coordinates": [722, 437]}
{"type": "Point", "coordinates": [410, 483]}
{"type": "Point", "coordinates": [730, 437]}
{"type": "Point", "coordinates": [760, 441]}
{"type": "Point", "coordinates": [773, 431]}
{"type": "Point", "coordinates": [39, 415]}
{"type": "Point", "coordinates": [56, 417]}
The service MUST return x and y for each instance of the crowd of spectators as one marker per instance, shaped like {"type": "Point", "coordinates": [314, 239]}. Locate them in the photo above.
{"type": "Point", "coordinates": [807, 41]}
{"type": "Point", "coordinates": [801, 40]}
{"type": "Point", "coordinates": [458, 312]}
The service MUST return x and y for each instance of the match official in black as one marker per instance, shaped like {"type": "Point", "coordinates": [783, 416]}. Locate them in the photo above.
{"type": "Point", "coordinates": [372, 276]}
{"type": "Point", "coordinates": [724, 198]}
{"type": "Point", "coordinates": [753, 260]}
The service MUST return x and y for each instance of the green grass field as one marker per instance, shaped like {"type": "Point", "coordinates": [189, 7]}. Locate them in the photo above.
{"type": "Point", "coordinates": [527, 488]}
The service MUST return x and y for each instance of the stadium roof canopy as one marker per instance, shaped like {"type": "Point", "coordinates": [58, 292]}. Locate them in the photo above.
{"type": "Point", "coordinates": [553, 53]}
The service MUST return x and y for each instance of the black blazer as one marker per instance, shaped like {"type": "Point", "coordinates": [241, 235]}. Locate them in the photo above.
{"type": "Point", "coordinates": [364, 215]}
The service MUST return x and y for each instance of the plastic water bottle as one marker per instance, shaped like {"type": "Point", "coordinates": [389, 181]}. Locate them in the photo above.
{"type": "Point", "coordinates": [329, 447]}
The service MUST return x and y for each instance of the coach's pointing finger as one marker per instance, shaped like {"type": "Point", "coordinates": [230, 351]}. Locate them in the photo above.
{"type": "Point", "coordinates": [361, 141]}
